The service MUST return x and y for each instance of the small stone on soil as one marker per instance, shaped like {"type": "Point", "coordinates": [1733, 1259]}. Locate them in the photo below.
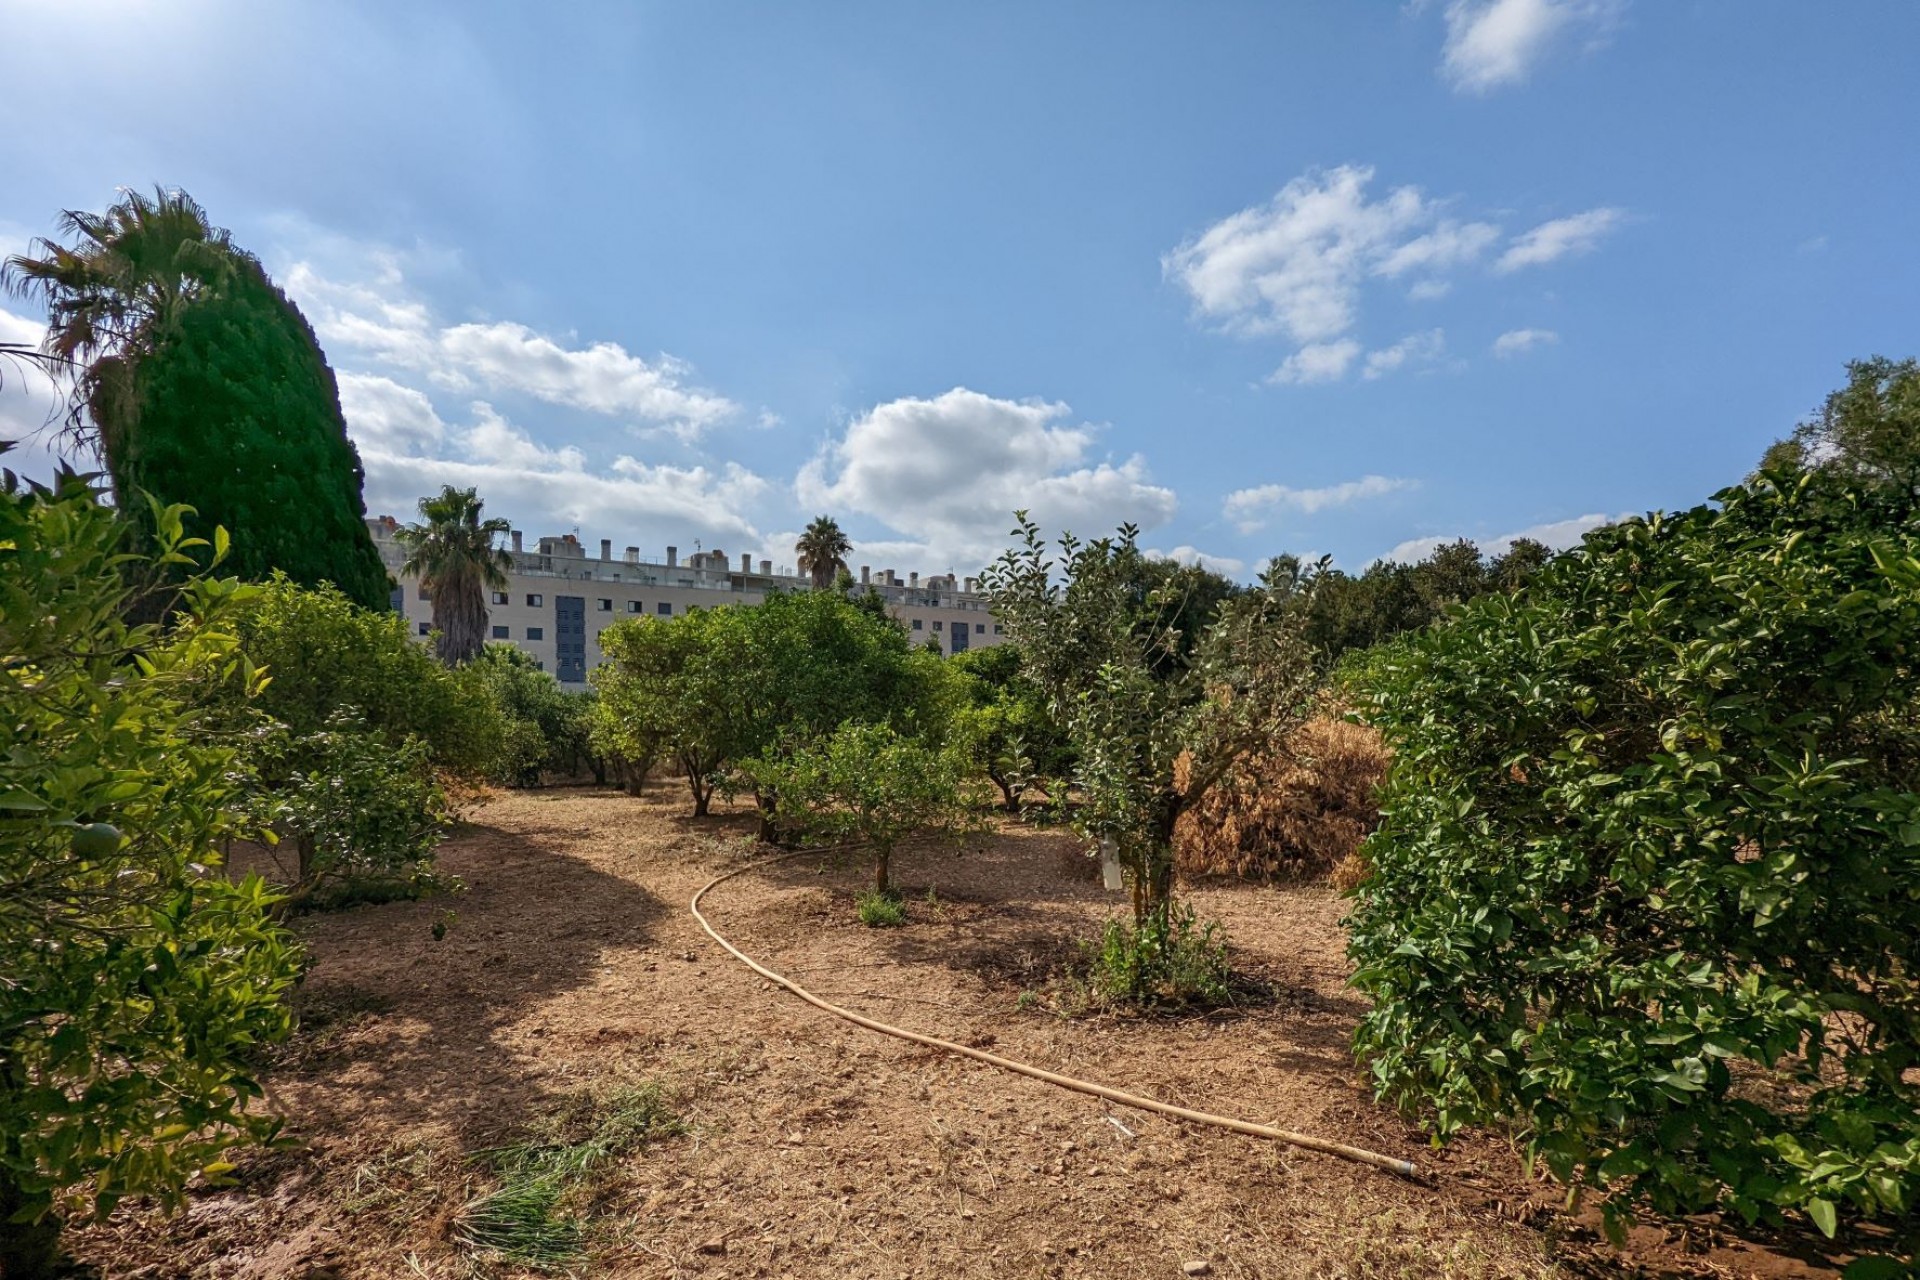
{"type": "Point", "coordinates": [1198, 1267]}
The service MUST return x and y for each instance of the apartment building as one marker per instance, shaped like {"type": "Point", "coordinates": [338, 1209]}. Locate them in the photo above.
{"type": "Point", "coordinates": [559, 598]}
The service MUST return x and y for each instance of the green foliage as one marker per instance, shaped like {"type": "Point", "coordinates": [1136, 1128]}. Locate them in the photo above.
{"type": "Point", "coordinates": [364, 815]}
{"type": "Point", "coordinates": [1347, 613]}
{"type": "Point", "coordinates": [546, 726]}
{"type": "Point", "coordinates": [324, 655]}
{"type": "Point", "coordinates": [1867, 432]}
{"type": "Point", "coordinates": [1155, 717]}
{"type": "Point", "coordinates": [236, 412]}
{"type": "Point", "coordinates": [865, 783]}
{"type": "Point", "coordinates": [713, 687]}
{"type": "Point", "coordinates": [1647, 880]}
{"type": "Point", "coordinates": [1005, 725]}
{"type": "Point", "coordinates": [1171, 959]}
{"type": "Point", "coordinates": [879, 910]}
{"type": "Point", "coordinates": [134, 986]}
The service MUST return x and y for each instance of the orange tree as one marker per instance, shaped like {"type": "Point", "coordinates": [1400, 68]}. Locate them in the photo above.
{"type": "Point", "coordinates": [134, 985]}
{"type": "Point", "coordinates": [1647, 880]}
{"type": "Point", "coordinates": [1160, 702]}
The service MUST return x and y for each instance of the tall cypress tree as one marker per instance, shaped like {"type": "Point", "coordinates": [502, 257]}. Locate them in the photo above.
{"type": "Point", "coordinates": [235, 411]}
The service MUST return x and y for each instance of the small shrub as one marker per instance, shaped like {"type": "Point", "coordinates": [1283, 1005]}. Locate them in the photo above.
{"type": "Point", "coordinates": [1300, 809]}
{"type": "Point", "coordinates": [364, 817]}
{"type": "Point", "coordinates": [881, 910]}
{"type": "Point", "coordinates": [1170, 960]}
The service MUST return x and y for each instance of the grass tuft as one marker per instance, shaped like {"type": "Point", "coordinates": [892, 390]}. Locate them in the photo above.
{"type": "Point", "coordinates": [881, 910]}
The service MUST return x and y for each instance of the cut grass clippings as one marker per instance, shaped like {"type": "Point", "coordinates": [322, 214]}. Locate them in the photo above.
{"type": "Point", "coordinates": [526, 1219]}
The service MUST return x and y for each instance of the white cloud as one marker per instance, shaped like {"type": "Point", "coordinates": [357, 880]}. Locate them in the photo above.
{"type": "Point", "coordinates": [1450, 244]}
{"type": "Point", "coordinates": [1551, 241]}
{"type": "Point", "coordinates": [1249, 509]}
{"type": "Point", "coordinates": [1495, 43]}
{"type": "Point", "coordinates": [1317, 362]}
{"type": "Point", "coordinates": [1298, 266]}
{"type": "Point", "coordinates": [409, 451]}
{"type": "Point", "coordinates": [1294, 265]}
{"type": "Point", "coordinates": [1558, 535]}
{"type": "Point", "coordinates": [1187, 555]}
{"type": "Point", "coordinates": [380, 319]}
{"type": "Point", "coordinates": [948, 473]}
{"type": "Point", "coordinates": [386, 416]}
{"type": "Point", "coordinates": [1517, 341]}
{"type": "Point", "coordinates": [1415, 348]}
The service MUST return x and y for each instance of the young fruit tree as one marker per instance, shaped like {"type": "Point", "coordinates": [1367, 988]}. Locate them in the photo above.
{"type": "Point", "coordinates": [135, 986]}
{"type": "Point", "coordinates": [866, 783]}
{"type": "Point", "coordinates": [1157, 715]}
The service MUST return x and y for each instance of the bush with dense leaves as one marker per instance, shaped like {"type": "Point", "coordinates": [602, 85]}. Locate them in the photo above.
{"type": "Point", "coordinates": [325, 655]}
{"type": "Point", "coordinates": [1647, 881]}
{"type": "Point", "coordinates": [713, 687]}
{"type": "Point", "coordinates": [134, 985]}
{"type": "Point", "coordinates": [865, 783]}
{"type": "Point", "coordinates": [363, 816]}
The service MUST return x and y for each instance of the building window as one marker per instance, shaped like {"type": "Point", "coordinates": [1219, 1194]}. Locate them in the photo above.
{"type": "Point", "coordinates": [426, 628]}
{"type": "Point", "coordinates": [420, 592]}
{"type": "Point", "coordinates": [606, 606]}
{"type": "Point", "coordinates": [916, 625]}
{"type": "Point", "coordinates": [535, 601]}
{"type": "Point", "coordinates": [996, 628]}
{"type": "Point", "coordinates": [936, 624]}
{"type": "Point", "coordinates": [633, 606]}
{"type": "Point", "coordinates": [535, 633]}
{"type": "Point", "coordinates": [979, 628]}
{"type": "Point", "coordinates": [499, 633]}
{"type": "Point", "coordinates": [664, 609]}
{"type": "Point", "coordinates": [499, 597]}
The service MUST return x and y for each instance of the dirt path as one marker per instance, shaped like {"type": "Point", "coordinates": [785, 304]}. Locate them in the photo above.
{"type": "Point", "coordinates": [815, 1148]}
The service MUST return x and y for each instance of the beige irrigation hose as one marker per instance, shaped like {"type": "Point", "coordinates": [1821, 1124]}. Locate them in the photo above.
{"type": "Point", "coordinates": [1402, 1167]}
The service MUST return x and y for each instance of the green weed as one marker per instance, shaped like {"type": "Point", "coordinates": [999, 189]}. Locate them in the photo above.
{"type": "Point", "coordinates": [881, 910]}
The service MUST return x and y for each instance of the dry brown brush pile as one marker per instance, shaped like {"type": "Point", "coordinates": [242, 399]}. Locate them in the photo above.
{"type": "Point", "coordinates": [1301, 809]}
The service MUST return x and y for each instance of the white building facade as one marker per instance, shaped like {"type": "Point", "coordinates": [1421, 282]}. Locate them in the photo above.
{"type": "Point", "coordinates": [559, 598]}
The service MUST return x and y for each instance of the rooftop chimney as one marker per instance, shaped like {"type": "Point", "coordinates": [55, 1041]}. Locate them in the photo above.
{"type": "Point", "coordinates": [866, 575]}
{"type": "Point", "coordinates": [972, 583]}
{"type": "Point", "coordinates": [633, 555]}
{"type": "Point", "coordinates": [516, 540]}
{"type": "Point", "coordinates": [673, 556]}
{"type": "Point", "coordinates": [913, 579]}
{"type": "Point", "coordinates": [606, 548]}
{"type": "Point", "coordinates": [766, 568]}
{"type": "Point", "coordinates": [746, 562]}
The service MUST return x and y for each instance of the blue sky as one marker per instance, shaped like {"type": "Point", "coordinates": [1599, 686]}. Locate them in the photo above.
{"type": "Point", "coordinates": [1335, 278]}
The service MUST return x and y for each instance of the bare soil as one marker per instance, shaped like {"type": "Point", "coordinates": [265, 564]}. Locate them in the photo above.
{"type": "Point", "coordinates": [815, 1148]}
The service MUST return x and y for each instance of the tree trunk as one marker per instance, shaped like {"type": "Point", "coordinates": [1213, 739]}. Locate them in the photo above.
{"type": "Point", "coordinates": [882, 879]}
{"type": "Point", "coordinates": [769, 806]}
{"type": "Point", "coordinates": [28, 1251]}
{"type": "Point", "coordinates": [701, 796]}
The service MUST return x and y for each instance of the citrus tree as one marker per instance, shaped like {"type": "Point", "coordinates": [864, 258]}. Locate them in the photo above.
{"type": "Point", "coordinates": [1156, 715]}
{"type": "Point", "coordinates": [866, 783]}
{"type": "Point", "coordinates": [134, 984]}
{"type": "Point", "coordinates": [1647, 880]}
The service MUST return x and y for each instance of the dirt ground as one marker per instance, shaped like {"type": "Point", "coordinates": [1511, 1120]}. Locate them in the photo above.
{"type": "Point", "coordinates": [815, 1148]}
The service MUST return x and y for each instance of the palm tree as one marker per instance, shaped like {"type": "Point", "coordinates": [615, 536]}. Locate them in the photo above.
{"type": "Point", "coordinates": [455, 557]}
{"type": "Point", "coordinates": [823, 551]}
{"type": "Point", "coordinates": [116, 293]}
